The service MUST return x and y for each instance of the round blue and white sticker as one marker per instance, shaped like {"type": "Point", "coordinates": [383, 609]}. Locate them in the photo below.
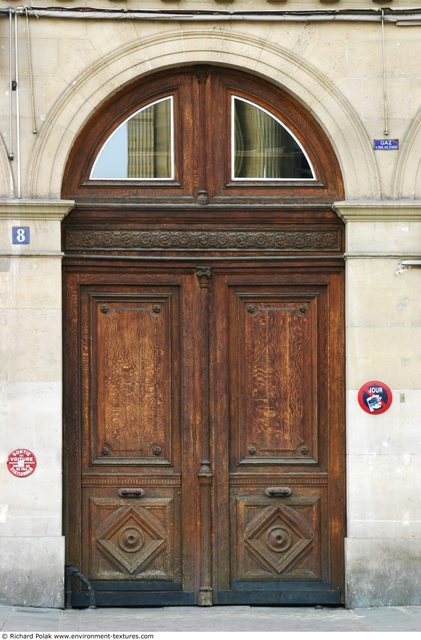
{"type": "Point", "coordinates": [375, 397]}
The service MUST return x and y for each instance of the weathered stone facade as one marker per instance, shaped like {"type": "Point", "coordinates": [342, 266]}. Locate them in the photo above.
{"type": "Point", "coordinates": [336, 70]}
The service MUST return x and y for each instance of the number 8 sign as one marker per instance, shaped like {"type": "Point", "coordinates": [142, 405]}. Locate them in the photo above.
{"type": "Point", "coordinates": [20, 235]}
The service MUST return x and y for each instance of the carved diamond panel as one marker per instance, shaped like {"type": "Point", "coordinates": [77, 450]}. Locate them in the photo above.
{"type": "Point", "coordinates": [277, 540]}
{"type": "Point", "coordinates": [277, 536]}
{"type": "Point", "coordinates": [131, 537]}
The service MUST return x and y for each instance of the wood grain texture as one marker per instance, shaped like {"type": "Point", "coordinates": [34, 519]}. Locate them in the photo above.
{"type": "Point", "coordinates": [277, 374]}
{"type": "Point", "coordinates": [244, 366]}
{"type": "Point", "coordinates": [273, 411]}
{"type": "Point", "coordinates": [132, 369]}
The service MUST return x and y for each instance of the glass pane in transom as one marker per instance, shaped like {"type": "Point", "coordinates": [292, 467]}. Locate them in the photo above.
{"type": "Point", "coordinates": [141, 148]}
{"type": "Point", "coordinates": [263, 148]}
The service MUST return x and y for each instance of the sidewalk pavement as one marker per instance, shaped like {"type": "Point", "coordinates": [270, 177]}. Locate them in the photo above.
{"type": "Point", "coordinates": [218, 618]}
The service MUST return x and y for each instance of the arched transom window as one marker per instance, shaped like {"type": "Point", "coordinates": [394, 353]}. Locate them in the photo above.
{"type": "Point", "coordinates": [203, 134]}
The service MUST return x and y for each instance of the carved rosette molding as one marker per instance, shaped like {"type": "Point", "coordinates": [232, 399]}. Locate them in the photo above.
{"type": "Point", "coordinates": [77, 239]}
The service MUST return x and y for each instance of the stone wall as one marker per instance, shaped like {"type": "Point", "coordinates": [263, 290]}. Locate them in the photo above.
{"type": "Point", "coordinates": [383, 318]}
{"type": "Point", "coordinates": [31, 542]}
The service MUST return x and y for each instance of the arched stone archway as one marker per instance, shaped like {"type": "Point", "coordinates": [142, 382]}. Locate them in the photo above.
{"type": "Point", "coordinates": [282, 67]}
{"type": "Point", "coordinates": [6, 177]}
{"type": "Point", "coordinates": [407, 183]}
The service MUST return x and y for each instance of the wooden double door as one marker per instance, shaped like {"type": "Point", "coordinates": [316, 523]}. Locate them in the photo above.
{"type": "Point", "coordinates": [204, 432]}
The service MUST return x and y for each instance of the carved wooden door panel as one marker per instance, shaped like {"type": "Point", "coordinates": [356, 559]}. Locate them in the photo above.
{"type": "Point", "coordinates": [211, 453]}
{"type": "Point", "coordinates": [210, 411]}
{"type": "Point", "coordinates": [278, 444]}
{"type": "Point", "coordinates": [135, 351]}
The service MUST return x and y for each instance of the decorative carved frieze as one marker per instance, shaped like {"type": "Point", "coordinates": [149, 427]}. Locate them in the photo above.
{"type": "Point", "coordinates": [307, 480]}
{"type": "Point", "coordinates": [77, 239]}
{"type": "Point", "coordinates": [114, 481]}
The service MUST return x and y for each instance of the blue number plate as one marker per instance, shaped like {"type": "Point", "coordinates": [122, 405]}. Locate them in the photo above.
{"type": "Point", "coordinates": [20, 235]}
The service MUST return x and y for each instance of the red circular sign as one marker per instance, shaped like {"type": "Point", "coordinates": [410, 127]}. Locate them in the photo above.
{"type": "Point", "coordinates": [21, 463]}
{"type": "Point", "coordinates": [375, 397]}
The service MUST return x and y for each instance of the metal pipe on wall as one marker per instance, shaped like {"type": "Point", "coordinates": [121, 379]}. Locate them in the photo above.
{"type": "Point", "coordinates": [18, 160]}
{"type": "Point", "coordinates": [10, 154]}
{"type": "Point", "coordinates": [31, 74]}
{"type": "Point", "coordinates": [385, 105]}
{"type": "Point", "coordinates": [401, 17]}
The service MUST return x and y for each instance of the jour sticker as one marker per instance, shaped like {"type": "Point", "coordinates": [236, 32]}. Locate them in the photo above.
{"type": "Point", "coordinates": [375, 397]}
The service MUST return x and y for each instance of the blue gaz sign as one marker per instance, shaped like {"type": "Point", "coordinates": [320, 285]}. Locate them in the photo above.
{"type": "Point", "coordinates": [385, 144]}
{"type": "Point", "coordinates": [21, 235]}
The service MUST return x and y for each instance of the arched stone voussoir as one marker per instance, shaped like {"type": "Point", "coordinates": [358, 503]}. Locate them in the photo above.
{"type": "Point", "coordinates": [6, 176]}
{"type": "Point", "coordinates": [202, 45]}
{"type": "Point", "coordinates": [407, 181]}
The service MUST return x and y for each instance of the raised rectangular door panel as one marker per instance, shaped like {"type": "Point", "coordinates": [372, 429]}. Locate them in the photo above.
{"type": "Point", "coordinates": [133, 377]}
{"type": "Point", "coordinates": [274, 362]}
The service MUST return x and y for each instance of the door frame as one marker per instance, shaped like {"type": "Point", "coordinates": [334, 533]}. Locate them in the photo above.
{"type": "Point", "coordinates": [208, 475]}
{"type": "Point", "coordinates": [112, 225]}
